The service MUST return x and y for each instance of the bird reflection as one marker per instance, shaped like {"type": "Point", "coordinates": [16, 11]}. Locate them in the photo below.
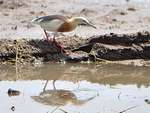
{"type": "Point", "coordinates": [58, 97]}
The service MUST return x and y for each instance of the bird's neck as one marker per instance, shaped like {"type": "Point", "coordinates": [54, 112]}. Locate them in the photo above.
{"type": "Point", "coordinates": [67, 26]}
{"type": "Point", "coordinates": [73, 21]}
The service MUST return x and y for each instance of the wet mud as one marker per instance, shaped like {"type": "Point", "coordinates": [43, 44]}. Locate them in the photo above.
{"type": "Point", "coordinates": [109, 47]}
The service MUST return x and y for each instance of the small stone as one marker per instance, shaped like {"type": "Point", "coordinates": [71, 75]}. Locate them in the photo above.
{"type": "Point", "coordinates": [131, 9]}
{"type": "Point", "coordinates": [5, 14]}
{"type": "Point", "coordinates": [122, 13]}
{"type": "Point", "coordinates": [12, 92]}
{"type": "Point", "coordinates": [114, 20]}
{"type": "Point", "coordinates": [1, 2]}
{"type": "Point", "coordinates": [147, 101]}
{"type": "Point", "coordinates": [14, 27]}
{"type": "Point", "coordinates": [13, 108]}
{"type": "Point", "coordinates": [32, 12]}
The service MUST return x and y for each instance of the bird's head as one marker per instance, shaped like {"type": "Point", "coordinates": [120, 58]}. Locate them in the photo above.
{"type": "Point", "coordinates": [35, 21]}
{"type": "Point", "coordinates": [82, 21]}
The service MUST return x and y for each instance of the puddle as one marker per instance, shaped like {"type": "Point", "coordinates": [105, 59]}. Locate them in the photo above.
{"type": "Point", "coordinates": [75, 88]}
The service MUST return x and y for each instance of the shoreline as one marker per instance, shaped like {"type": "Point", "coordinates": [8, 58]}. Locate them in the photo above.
{"type": "Point", "coordinates": [125, 49]}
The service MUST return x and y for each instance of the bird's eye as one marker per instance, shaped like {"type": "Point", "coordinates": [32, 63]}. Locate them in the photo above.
{"type": "Point", "coordinates": [83, 24]}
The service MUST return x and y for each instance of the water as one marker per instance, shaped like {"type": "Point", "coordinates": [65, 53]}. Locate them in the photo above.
{"type": "Point", "coordinates": [75, 88]}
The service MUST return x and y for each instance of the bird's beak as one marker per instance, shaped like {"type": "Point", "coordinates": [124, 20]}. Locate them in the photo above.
{"type": "Point", "coordinates": [90, 24]}
{"type": "Point", "coordinates": [34, 21]}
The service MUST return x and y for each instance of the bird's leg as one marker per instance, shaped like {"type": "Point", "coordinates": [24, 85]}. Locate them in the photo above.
{"type": "Point", "coordinates": [54, 87]}
{"type": "Point", "coordinates": [45, 85]}
{"type": "Point", "coordinates": [45, 34]}
{"type": "Point", "coordinates": [55, 42]}
{"type": "Point", "coordinates": [48, 38]}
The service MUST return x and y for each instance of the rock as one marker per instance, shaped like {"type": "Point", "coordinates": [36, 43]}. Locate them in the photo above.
{"type": "Point", "coordinates": [12, 92]}
{"type": "Point", "coordinates": [1, 2]}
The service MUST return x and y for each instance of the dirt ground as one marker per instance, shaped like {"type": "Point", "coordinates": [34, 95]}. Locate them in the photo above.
{"type": "Point", "coordinates": [117, 16]}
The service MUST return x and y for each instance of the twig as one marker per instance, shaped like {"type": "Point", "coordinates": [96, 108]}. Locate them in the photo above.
{"type": "Point", "coordinates": [16, 60]}
{"type": "Point", "coordinates": [45, 85]}
{"type": "Point", "coordinates": [128, 109]}
{"type": "Point", "coordinates": [63, 110]}
{"type": "Point", "coordinates": [119, 96]}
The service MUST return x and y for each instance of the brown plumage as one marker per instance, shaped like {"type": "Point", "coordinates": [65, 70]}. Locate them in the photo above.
{"type": "Point", "coordinates": [66, 27]}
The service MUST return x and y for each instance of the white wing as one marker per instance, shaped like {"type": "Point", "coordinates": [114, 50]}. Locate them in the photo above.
{"type": "Point", "coordinates": [52, 25]}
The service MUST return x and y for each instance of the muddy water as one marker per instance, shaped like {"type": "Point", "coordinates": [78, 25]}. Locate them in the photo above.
{"type": "Point", "coordinates": [75, 88]}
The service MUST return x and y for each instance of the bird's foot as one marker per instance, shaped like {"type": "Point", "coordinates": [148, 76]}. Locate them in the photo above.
{"type": "Point", "coordinates": [53, 41]}
{"type": "Point", "coordinates": [60, 47]}
{"type": "Point", "coordinates": [49, 40]}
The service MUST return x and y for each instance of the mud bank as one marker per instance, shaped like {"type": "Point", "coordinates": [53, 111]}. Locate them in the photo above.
{"type": "Point", "coordinates": [123, 46]}
{"type": "Point", "coordinates": [104, 48]}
